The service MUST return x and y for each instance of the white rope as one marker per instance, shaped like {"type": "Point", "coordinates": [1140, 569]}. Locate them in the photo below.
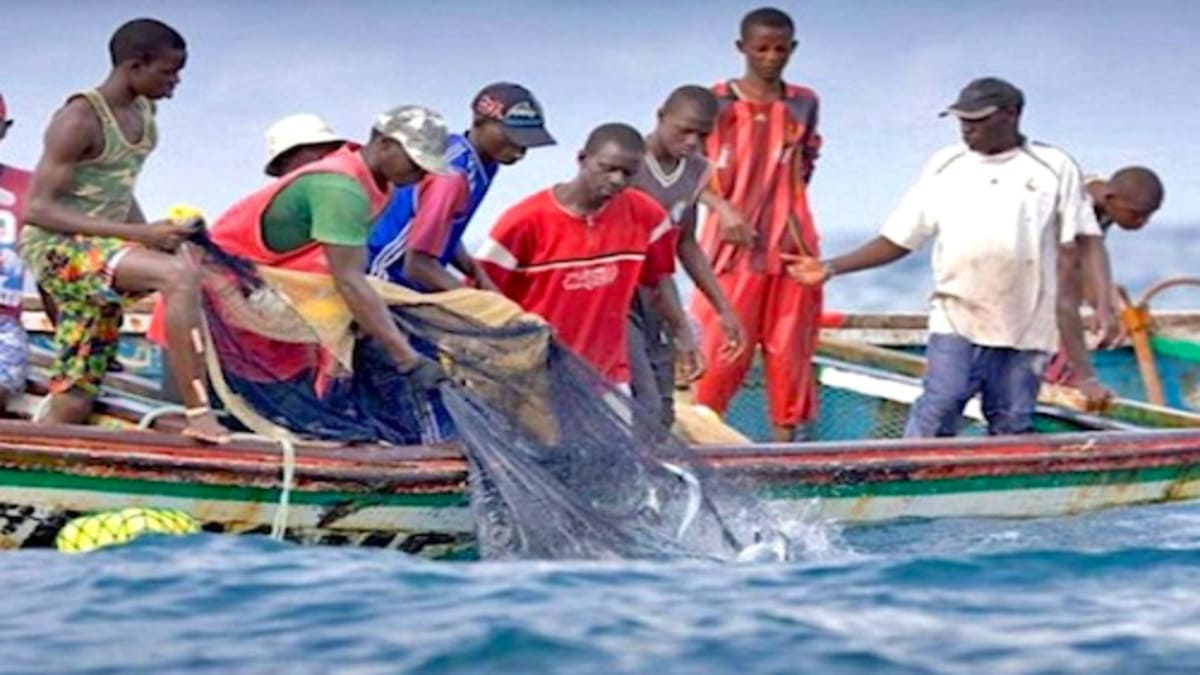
{"type": "Point", "coordinates": [279, 526]}
{"type": "Point", "coordinates": [152, 416]}
{"type": "Point", "coordinates": [42, 407]}
{"type": "Point", "coordinates": [279, 522]}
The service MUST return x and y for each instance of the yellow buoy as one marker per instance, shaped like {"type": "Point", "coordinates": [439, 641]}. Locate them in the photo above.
{"type": "Point", "coordinates": [87, 533]}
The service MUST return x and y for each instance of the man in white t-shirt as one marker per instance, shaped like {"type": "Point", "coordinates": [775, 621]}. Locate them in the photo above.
{"type": "Point", "coordinates": [997, 208]}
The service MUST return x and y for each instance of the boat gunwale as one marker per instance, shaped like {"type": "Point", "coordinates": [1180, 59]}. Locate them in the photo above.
{"type": "Point", "coordinates": [153, 456]}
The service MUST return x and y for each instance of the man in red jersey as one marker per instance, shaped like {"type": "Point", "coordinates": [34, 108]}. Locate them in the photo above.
{"type": "Point", "coordinates": [763, 148]}
{"type": "Point", "coordinates": [576, 252]}
{"type": "Point", "coordinates": [14, 343]}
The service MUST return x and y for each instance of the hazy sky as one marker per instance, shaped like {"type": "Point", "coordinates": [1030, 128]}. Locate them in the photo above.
{"type": "Point", "coordinates": [1113, 83]}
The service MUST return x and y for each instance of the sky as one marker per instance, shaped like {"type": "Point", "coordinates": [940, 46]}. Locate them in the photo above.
{"type": "Point", "coordinates": [1112, 83]}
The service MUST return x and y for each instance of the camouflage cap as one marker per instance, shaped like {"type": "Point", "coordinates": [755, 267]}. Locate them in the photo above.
{"type": "Point", "coordinates": [421, 132]}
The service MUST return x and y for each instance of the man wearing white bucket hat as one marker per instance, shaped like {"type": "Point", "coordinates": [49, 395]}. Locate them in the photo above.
{"type": "Point", "coordinates": [297, 140]}
{"type": "Point", "coordinates": [317, 218]}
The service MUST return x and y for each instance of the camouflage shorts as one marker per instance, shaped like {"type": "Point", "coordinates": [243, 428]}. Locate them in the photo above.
{"type": "Point", "coordinates": [77, 273]}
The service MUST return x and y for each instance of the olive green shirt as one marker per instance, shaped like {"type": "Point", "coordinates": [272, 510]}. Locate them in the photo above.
{"type": "Point", "coordinates": [330, 208]}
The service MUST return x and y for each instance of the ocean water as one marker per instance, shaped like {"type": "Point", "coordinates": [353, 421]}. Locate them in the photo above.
{"type": "Point", "coordinates": [1109, 592]}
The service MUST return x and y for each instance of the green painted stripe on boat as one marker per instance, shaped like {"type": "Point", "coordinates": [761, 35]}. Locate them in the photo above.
{"type": "Point", "coordinates": [235, 493]}
{"type": "Point", "coordinates": [926, 488]}
{"type": "Point", "coordinates": [1188, 350]}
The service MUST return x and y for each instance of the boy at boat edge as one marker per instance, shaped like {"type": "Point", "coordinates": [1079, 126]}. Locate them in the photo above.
{"type": "Point", "coordinates": [1128, 199]}
{"type": "Point", "coordinates": [86, 240]}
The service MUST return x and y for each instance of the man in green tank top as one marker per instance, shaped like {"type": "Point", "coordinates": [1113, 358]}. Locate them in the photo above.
{"type": "Point", "coordinates": [88, 243]}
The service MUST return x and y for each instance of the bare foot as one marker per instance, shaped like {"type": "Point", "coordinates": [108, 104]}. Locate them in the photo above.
{"type": "Point", "coordinates": [206, 429]}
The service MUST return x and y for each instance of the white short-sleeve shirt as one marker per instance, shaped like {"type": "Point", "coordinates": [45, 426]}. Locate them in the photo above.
{"type": "Point", "coordinates": [996, 222]}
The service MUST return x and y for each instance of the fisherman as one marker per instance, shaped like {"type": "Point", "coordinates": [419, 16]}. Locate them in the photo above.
{"type": "Point", "coordinates": [318, 217]}
{"type": "Point", "coordinates": [576, 252]}
{"type": "Point", "coordinates": [1000, 207]}
{"type": "Point", "coordinates": [297, 140]}
{"type": "Point", "coordinates": [14, 343]}
{"type": "Point", "coordinates": [1129, 198]}
{"type": "Point", "coordinates": [86, 239]}
{"type": "Point", "coordinates": [674, 173]}
{"type": "Point", "coordinates": [421, 231]}
{"type": "Point", "coordinates": [764, 147]}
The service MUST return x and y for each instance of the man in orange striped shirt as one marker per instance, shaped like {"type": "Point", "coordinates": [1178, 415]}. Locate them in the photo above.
{"type": "Point", "coordinates": [763, 149]}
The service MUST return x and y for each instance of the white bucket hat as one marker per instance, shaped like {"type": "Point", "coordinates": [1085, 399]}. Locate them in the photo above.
{"type": "Point", "coordinates": [295, 131]}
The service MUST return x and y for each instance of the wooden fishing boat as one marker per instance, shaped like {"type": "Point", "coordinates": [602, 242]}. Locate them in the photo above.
{"type": "Point", "coordinates": [414, 498]}
{"type": "Point", "coordinates": [1172, 349]}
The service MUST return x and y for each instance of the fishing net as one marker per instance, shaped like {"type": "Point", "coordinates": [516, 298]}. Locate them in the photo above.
{"type": "Point", "coordinates": [561, 463]}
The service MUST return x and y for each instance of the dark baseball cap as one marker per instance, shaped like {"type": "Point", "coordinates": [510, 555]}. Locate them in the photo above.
{"type": "Point", "coordinates": [515, 108]}
{"type": "Point", "coordinates": [983, 97]}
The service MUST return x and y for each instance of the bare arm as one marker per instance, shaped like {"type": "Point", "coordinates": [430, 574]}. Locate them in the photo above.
{"type": "Point", "coordinates": [666, 301]}
{"type": "Point", "coordinates": [463, 261]}
{"type": "Point", "coordinates": [810, 148]}
{"type": "Point", "coordinates": [696, 264]}
{"type": "Point", "coordinates": [875, 253]}
{"type": "Point", "coordinates": [71, 138]}
{"type": "Point", "coordinates": [733, 225]}
{"type": "Point", "coordinates": [467, 265]}
{"type": "Point", "coordinates": [1094, 260]}
{"type": "Point", "coordinates": [711, 199]}
{"type": "Point", "coordinates": [698, 268]}
{"type": "Point", "coordinates": [428, 272]}
{"type": "Point", "coordinates": [347, 263]}
{"type": "Point", "coordinates": [1070, 323]}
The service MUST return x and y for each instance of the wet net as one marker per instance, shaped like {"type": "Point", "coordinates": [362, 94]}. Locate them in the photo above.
{"type": "Point", "coordinates": [561, 464]}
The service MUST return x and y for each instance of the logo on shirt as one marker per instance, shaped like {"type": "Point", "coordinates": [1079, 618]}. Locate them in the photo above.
{"type": "Point", "coordinates": [677, 210]}
{"type": "Point", "coordinates": [590, 279]}
{"type": "Point", "coordinates": [7, 198]}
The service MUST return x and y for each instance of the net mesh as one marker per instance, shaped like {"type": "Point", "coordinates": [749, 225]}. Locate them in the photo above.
{"type": "Point", "coordinates": [562, 464]}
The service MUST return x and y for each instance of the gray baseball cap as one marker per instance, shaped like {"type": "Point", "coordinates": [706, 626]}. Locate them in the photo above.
{"type": "Point", "coordinates": [983, 97]}
{"type": "Point", "coordinates": [421, 132]}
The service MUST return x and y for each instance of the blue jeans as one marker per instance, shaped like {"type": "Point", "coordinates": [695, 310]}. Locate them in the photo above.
{"type": "Point", "coordinates": [957, 369]}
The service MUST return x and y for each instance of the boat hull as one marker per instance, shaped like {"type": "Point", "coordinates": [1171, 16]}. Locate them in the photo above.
{"type": "Point", "coordinates": [415, 499]}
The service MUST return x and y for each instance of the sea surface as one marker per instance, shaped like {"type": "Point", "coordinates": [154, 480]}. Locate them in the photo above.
{"type": "Point", "coordinates": [1111, 592]}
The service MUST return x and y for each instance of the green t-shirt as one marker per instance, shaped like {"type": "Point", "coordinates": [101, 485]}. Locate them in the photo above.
{"type": "Point", "coordinates": [330, 208]}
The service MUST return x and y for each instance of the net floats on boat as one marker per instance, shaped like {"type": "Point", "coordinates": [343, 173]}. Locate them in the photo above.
{"type": "Point", "coordinates": [109, 528]}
